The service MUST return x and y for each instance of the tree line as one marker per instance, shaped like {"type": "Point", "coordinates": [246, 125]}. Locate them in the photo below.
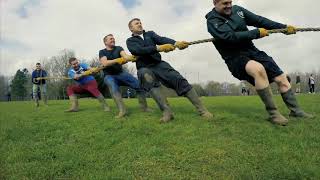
{"type": "Point", "coordinates": [20, 86]}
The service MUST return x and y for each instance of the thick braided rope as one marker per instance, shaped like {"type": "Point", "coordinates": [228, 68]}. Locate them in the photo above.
{"type": "Point", "coordinates": [298, 30]}
{"type": "Point", "coordinates": [201, 41]}
{"type": "Point", "coordinates": [270, 32]}
{"type": "Point", "coordinates": [99, 69]}
{"type": "Point", "coordinates": [52, 77]}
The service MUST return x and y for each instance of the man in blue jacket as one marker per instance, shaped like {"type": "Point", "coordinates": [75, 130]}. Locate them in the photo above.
{"type": "Point", "coordinates": [152, 70]}
{"type": "Point", "coordinates": [228, 25]}
{"type": "Point", "coordinates": [38, 82]}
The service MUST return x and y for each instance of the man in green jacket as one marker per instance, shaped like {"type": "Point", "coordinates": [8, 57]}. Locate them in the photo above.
{"type": "Point", "coordinates": [228, 25]}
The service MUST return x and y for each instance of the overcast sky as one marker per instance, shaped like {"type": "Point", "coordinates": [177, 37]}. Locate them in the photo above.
{"type": "Point", "coordinates": [33, 29]}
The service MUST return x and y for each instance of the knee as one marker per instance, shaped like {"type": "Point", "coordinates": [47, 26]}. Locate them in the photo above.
{"type": "Point", "coordinates": [146, 75]}
{"type": "Point", "coordinates": [109, 81]}
{"type": "Point", "coordinates": [70, 91]}
{"type": "Point", "coordinates": [111, 84]}
{"type": "Point", "coordinates": [282, 81]}
{"type": "Point", "coordinates": [256, 69]}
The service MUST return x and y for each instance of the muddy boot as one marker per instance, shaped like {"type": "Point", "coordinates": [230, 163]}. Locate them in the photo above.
{"type": "Point", "coordinates": [274, 115]}
{"type": "Point", "coordinates": [195, 100]}
{"type": "Point", "coordinates": [118, 100]}
{"type": "Point", "coordinates": [45, 100]}
{"type": "Point", "coordinates": [292, 104]}
{"type": "Point", "coordinates": [143, 102]}
{"type": "Point", "coordinates": [36, 102]}
{"type": "Point", "coordinates": [162, 103]}
{"type": "Point", "coordinates": [103, 103]}
{"type": "Point", "coordinates": [74, 104]}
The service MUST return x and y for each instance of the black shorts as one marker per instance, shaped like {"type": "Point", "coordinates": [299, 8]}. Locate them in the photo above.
{"type": "Point", "coordinates": [163, 73]}
{"type": "Point", "coordinates": [237, 66]}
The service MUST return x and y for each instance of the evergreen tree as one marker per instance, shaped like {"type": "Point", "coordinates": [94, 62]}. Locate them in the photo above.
{"type": "Point", "coordinates": [18, 84]}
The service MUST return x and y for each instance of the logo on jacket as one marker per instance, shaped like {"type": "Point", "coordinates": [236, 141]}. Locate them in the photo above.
{"type": "Point", "coordinates": [240, 13]}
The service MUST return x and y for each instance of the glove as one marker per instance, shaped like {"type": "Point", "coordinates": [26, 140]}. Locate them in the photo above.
{"type": "Point", "coordinates": [263, 32]}
{"type": "Point", "coordinates": [166, 48]}
{"type": "Point", "coordinates": [90, 71]}
{"type": "Point", "coordinates": [181, 44]}
{"type": "Point", "coordinates": [94, 70]}
{"type": "Point", "coordinates": [131, 58]}
{"type": "Point", "coordinates": [121, 60]}
{"type": "Point", "coordinates": [86, 73]}
{"type": "Point", "coordinates": [290, 30]}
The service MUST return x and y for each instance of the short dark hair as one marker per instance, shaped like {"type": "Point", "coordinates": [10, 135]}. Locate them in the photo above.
{"type": "Point", "coordinates": [105, 38]}
{"type": "Point", "coordinates": [134, 19]}
{"type": "Point", "coordinates": [72, 59]}
{"type": "Point", "coordinates": [38, 63]}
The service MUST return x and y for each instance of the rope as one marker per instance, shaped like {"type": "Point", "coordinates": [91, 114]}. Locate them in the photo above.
{"type": "Point", "coordinates": [298, 30]}
{"type": "Point", "coordinates": [201, 41]}
{"type": "Point", "coordinates": [52, 77]}
{"type": "Point", "coordinates": [270, 32]}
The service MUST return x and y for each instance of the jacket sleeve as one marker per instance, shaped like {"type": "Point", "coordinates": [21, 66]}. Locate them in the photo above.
{"type": "Point", "coordinates": [222, 31]}
{"type": "Point", "coordinates": [159, 40]}
{"type": "Point", "coordinates": [85, 66]}
{"type": "Point", "coordinates": [45, 74]}
{"type": "Point", "coordinates": [71, 74]}
{"type": "Point", "coordinates": [33, 76]}
{"type": "Point", "coordinates": [259, 21]}
{"type": "Point", "coordinates": [136, 49]}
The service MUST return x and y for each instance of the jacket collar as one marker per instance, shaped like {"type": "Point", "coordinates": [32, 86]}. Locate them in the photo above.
{"type": "Point", "coordinates": [135, 35]}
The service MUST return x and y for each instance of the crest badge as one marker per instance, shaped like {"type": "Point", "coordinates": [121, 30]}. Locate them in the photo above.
{"type": "Point", "coordinates": [240, 14]}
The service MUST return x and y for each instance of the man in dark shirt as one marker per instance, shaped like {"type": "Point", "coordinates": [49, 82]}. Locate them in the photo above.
{"type": "Point", "coordinates": [228, 25]}
{"type": "Point", "coordinates": [115, 76]}
{"type": "Point", "coordinates": [152, 69]}
{"type": "Point", "coordinates": [39, 83]}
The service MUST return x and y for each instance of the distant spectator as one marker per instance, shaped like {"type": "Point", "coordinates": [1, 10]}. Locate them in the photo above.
{"type": "Point", "coordinates": [311, 83]}
{"type": "Point", "coordinates": [39, 83]}
{"type": "Point", "coordinates": [128, 93]}
{"type": "Point", "coordinates": [9, 96]}
{"type": "Point", "coordinates": [243, 88]}
{"type": "Point", "coordinates": [298, 84]}
{"type": "Point", "coordinates": [289, 78]}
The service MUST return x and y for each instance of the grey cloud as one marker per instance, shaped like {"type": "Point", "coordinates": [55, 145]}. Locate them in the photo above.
{"type": "Point", "coordinates": [53, 26]}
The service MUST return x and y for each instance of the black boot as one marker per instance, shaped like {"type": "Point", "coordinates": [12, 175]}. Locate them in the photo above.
{"type": "Point", "coordinates": [167, 114]}
{"type": "Point", "coordinates": [292, 104]}
{"type": "Point", "coordinates": [195, 100]}
{"type": "Point", "coordinates": [274, 115]}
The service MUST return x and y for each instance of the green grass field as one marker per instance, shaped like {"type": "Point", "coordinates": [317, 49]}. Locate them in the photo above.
{"type": "Point", "coordinates": [239, 143]}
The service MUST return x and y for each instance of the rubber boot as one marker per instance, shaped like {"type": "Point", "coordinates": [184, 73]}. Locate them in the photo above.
{"type": "Point", "coordinates": [45, 100]}
{"type": "Point", "coordinates": [274, 115]}
{"type": "Point", "coordinates": [103, 103]}
{"type": "Point", "coordinates": [167, 114]}
{"type": "Point", "coordinates": [143, 102]}
{"type": "Point", "coordinates": [74, 104]}
{"type": "Point", "coordinates": [118, 100]}
{"type": "Point", "coordinates": [36, 101]}
{"type": "Point", "coordinates": [195, 100]}
{"type": "Point", "coordinates": [292, 104]}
